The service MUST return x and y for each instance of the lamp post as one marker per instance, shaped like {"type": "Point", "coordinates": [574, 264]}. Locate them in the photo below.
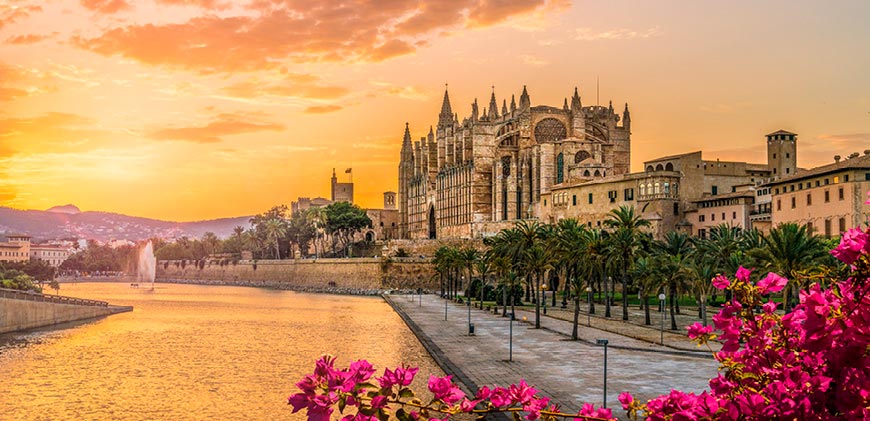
{"type": "Point", "coordinates": [470, 326]}
{"type": "Point", "coordinates": [511, 339]}
{"type": "Point", "coordinates": [662, 303]}
{"type": "Point", "coordinates": [445, 307]}
{"type": "Point", "coordinates": [589, 310]}
{"type": "Point", "coordinates": [604, 342]}
{"type": "Point", "coordinates": [544, 297]}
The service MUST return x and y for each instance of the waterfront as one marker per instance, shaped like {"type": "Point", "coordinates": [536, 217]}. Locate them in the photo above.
{"type": "Point", "coordinates": [194, 352]}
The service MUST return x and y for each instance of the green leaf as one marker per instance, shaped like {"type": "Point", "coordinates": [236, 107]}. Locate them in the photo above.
{"type": "Point", "coordinates": [367, 410]}
{"type": "Point", "coordinates": [365, 385]}
{"type": "Point", "coordinates": [406, 393]}
{"type": "Point", "coordinates": [383, 415]}
{"type": "Point", "coordinates": [342, 402]}
{"type": "Point", "coordinates": [402, 415]}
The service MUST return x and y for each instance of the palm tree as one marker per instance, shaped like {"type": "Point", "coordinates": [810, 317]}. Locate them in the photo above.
{"type": "Point", "coordinates": [275, 229]}
{"type": "Point", "coordinates": [596, 252]}
{"type": "Point", "coordinates": [702, 274]}
{"type": "Point", "coordinates": [646, 272]}
{"type": "Point", "coordinates": [317, 217]}
{"type": "Point", "coordinates": [484, 268]}
{"type": "Point", "coordinates": [624, 243]}
{"type": "Point", "coordinates": [675, 254]}
{"type": "Point", "coordinates": [538, 261]}
{"type": "Point", "coordinates": [570, 246]}
{"type": "Point", "coordinates": [788, 250]}
{"type": "Point", "coordinates": [468, 256]}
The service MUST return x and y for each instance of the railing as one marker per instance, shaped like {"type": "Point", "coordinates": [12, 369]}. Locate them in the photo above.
{"type": "Point", "coordinates": [58, 299]}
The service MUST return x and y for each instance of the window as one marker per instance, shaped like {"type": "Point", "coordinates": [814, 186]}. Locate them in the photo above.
{"type": "Point", "coordinates": [778, 204]}
{"type": "Point", "coordinates": [723, 216]}
{"type": "Point", "coordinates": [827, 227]}
{"type": "Point", "coordinates": [676, 208]}
{"type": "Point", "coordinates": [827, 196]}
{"type": "Point", "coordinates": [574, 200]}
{"type": "Point", "coordinates": [810, 227]}
{"type": "Point", "coordinates": [867, 176]}
{"type": "Point", "coordinates": [712, 217]}
{"type": "Point", "coordinates": [774, 156]}
{"type": "Point", "coordinates": [667, 188]}
{"type": "Point", "coordinates": [787, 155]}
{"type": "Point", "coordinates": [560, 169]}
{"type": "Point", "coordinates": [545, 202]}
{"type": "Point", "coordinates": [791, 187]}
{"type": "Point", "coordinates": [842, 195]}
{"type": "Point", "coordinates": [733, 215]}
{"type": "Point", "coordinates": [777, 190]}
{"type": "Point", "coordinates": [836, 179]}
{"type": "Point", "coordinates": [793, 202]}
{"type": "Point", "coordinates": [612, 196]}
{"type": "Point", "coordinates": [842, 225]}
{"type": "Point", "coordinates": [818, 183]}
{"type": "Point", "coordinates": [700, 218]}
{"type": "Point", "coordinates": [827, 181]}
{"type": "Point", "coordinates": [629, 194]}
{"type": "Point", "coordinates": [846, 178]}
{"type": "Point", "coordinates": [656, 188]}
{"type": "Point", "coordinates": [787, 170]}
{"type": "Point", "coordinates": [702, 233]}
{"type": "Point", "coordinates": [590, 198]}
{"type": "Point", "coordinates": [809, 199]}
{"type": "Point", "coordinates": [801, 186]}
{"type": "Point", "coordinates": [715, 190]}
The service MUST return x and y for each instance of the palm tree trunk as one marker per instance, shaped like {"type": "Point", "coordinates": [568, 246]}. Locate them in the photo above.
{"type": "Point", "coordinates": [607, 298]}
{"type": "Point", "coordinates": [673, 305]}
{"type": "Point", "coordinates": [576, 318]}
{"type": "Point", "coordinates": [624, 296]}
{"type": "Point", "coordinates": [677, 305]}
{"type": "Point", "coordinates": [646, 318]}
{"type": "Point", "coordinates": [504, 298]}
{"type": "Point", "coordinates": [538, 301]}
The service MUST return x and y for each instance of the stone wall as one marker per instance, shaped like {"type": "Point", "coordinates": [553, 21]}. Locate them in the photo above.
{"type": "Point", "coordinates": [17, 314]}
{"type": "Point", "coordinates": [361, 273]}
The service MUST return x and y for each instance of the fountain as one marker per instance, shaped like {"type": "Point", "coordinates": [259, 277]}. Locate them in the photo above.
{"type": "Point", "coordinates": [147, 264]}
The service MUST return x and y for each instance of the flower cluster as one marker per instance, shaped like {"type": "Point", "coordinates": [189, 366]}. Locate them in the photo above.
{"type": "Point", "coordinates": [812, 363]}
{"type": "Point", "coordinates": [351, 391]}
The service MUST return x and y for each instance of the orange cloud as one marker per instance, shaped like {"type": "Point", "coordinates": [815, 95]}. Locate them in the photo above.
{"type": "Point", "coordinates": [292, 85]}
{"type": "Point", "coordinates": [322, 109]}
{"type": "Point", "coordinates": [26, 39]}
{"type": "Point", "coordinates": [205, 4]}
{"type": "Point", "coordinates": [106, 6]}
{"type": "Point", "coordinates": [9, 13]}
{"type": "Point", "coordinates": [224, 125]}
{"type": "Point", "coordinates": [272, 32]}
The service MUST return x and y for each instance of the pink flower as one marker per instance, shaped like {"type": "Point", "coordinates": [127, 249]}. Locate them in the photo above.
{"type": "Point", "coordinates": [769, 307]}
{"type": "Point", "coordinates": [379, 401]}
{"type": "Point", "coordinates": [500, 397]}
{"type": "Point", "coordinates": [443, 389]}
{"type": "Point", "coordinates": [534, 407]}
{"type": "Point", "coordinates": [467, 405]}
{"type": "Point", "coordinates": [522, 392]}
{"type": "Point", "coordinates": [402, 376]}
{"type": "Point", "coordinates": [721, 282]}
{"type": "Point", "coordinates": [697, 330]}
{"type": "Point", "coordinates": [483, 393]}
{"type": "Point", "coordinates": [625, 399]}
{"type": "Point", "coordinates": [853, 244]}
{"type": "Point", "coordinates": [771, 283]}
{"type": "Point", "coordinates": [743, 274]}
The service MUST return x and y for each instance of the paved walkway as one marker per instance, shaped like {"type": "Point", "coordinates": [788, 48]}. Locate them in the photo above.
{"type": "Point", "coordinates": [570, 372]}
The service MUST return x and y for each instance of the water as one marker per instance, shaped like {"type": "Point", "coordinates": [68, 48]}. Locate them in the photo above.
{"type": "Point", "coordinates": [147, 264]}
{"type": "Point", "coordinates": [195, 352]}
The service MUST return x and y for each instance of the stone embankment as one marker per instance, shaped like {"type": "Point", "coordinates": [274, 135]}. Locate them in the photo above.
{"type": "Point", "coordinates": [298, 288]}
{"type": "Point", "coordinates": [21, 310]}
{"type": "Point", "coordinates": [320, 275]}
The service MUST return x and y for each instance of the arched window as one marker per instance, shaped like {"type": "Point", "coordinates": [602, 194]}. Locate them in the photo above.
{"type": "Point", "coordinates": [676, 190]}
{"type": "Point", "coordinates": [669, 167]}
{"type": "Point", "coordinates": [581, 156]}
{"type": "Point", "coordinates": [586, 173]}
{"type": "Point", "coordinates": [656, 188]}
{"type": "Point", "coordinates": [667, 188]}
{"type": "Point", "coordinates": [560, 168]}
{"type": "Point", "coordinates": [659, 167]}
{"type": "Point", "coordinates": [550, 130]}
{"type": "Point", "coordinates": [649, 168]}
{"type": "Point", "coordinates": [643, 189]}
{"type": "Point", "coordinates": [597, 173]}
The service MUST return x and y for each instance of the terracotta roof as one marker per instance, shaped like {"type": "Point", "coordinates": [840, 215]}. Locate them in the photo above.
{"type": "Point", "coordinates": [780, 131]}
{"type": "Point", "coordinates": [862, 161]}
{"type": "Point", "coordinates": [10, 245]}
{"type": "Point", "coordinates": [664, 158]}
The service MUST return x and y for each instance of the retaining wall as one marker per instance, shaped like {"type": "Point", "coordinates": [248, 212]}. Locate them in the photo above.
{"type": "Point", "coordinates": [20, 312]}
{"type": "Point", "coordinates": [359, 273]}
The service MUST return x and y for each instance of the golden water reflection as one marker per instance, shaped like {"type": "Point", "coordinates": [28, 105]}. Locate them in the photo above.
{"type": "Point", "coordinates": [195, 352]}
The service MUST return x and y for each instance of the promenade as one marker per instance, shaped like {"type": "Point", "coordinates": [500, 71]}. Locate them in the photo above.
{"type": "Point", "coordinates": [569, 372]}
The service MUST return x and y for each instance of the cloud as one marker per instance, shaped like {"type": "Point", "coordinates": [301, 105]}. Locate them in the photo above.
{"type": "Point", "coordinates": [10, 12]}
{"type": "Point", "coordinates": [856, 142]}
{"type": "Point", "coordinates": [322, 109]}
{"type": "Point", "coordinates": [223, 125]}
{"type": "Point", "coordinates": [291, 85]}
{"type": "Point", "coordinates": [205, 4]}
{"type": "Point", "coordinates": [28, 38]}
{"type": "Point", "coordinates": [588, 34]}
{"type": "Point", "coordinates": [54, 131]}
{"type": "Point", "coordinates": [532, 60]}
{"type": "Point", "coordinates": [270, 33]}
{"type": "Point", "coordinates": [406, 92]}
{"type": "Point", "coordinates": [106, 6]}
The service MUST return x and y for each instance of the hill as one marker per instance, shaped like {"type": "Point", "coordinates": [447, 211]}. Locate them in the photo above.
{"type": "Point", "coordinates": [104, 226]}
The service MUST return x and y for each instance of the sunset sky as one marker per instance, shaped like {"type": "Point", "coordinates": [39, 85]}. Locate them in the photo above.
{"type": "Point", "coordinates": [197, 109]}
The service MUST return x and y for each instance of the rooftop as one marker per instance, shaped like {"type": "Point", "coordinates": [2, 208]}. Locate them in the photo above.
{"type": "Point", "coordinates": [780, 131]}
{"type": "Point", "coordinates": [862, 161]}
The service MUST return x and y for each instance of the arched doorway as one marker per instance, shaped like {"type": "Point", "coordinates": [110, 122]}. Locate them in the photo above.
{"type": "Point", "coordinates": [370, 236]}
{"type": "Point", "coordinates": [432, 234]}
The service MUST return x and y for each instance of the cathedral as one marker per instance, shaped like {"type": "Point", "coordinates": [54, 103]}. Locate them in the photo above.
{"type": "Point", "coordinates": [473, 177]}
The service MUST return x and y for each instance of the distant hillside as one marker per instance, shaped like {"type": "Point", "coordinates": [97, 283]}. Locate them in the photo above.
{"type": "Point", "coordinates": [63, 223]}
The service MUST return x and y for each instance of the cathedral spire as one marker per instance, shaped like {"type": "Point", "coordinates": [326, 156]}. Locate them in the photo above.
{"type": "Point", "coordinates": [626, 117]}
{"type": "Point", "coordinates": [474, 114]}
{"type": "Point", "coordinates": [430, 131]}
{"type": "Point", "coordinates": [513, 103]}
{"type": "Point", "coordinates": [407, 138]}
{"type": "Point", "coordinates": [575, 101]}
{"type": "Point", "coordinates": [493, 106]}
{"type": "Point", "coordinates": [565, 105]}
{"type": "Point", "coordinates": [446, 115]}
{"type": "Point", "coordinates": [610, 107]}
{"type": "Point", "coordinates": [525, 101]}
{"type": "Point", "coordinates": [504, 107]}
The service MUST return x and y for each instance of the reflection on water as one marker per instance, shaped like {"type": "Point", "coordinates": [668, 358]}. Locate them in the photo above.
{"type": "Point", "coordinates": [195, 352]}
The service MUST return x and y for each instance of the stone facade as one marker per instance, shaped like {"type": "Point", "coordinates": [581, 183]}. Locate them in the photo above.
{"type": "Point", "coordinates": [16, 248]}
{"type": "Point", "coordinates": [309, 273]}
{"type": "Point", "coordinates": [52, 254]}
{"type": "Point", "coordinates": [468, 179]}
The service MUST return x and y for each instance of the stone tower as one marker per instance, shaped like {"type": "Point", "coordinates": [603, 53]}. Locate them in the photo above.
{"type": "Point", "coordinates": [782, 153]}
{"type": "Point", "coordinates": [406, 172]}
{"type": "Point", "coordinates": [389, 200]}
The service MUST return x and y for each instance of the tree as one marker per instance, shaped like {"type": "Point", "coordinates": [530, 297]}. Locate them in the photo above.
{"type": "Point", "coordinates": [788, 250]}
{"type": "Point", "coordinates": [624, 243]}
{"type": "Point", "coordinates": [675, 256]}
{"type": "Point", "coordinates": [538, 261]}
{"type": "Point", "coordinates": [343, 220]}
{"type": "Point", "coordinates": [274, 230]}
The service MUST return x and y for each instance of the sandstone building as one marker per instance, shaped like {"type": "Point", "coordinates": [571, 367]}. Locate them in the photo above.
{"type": "Point", "coordinates": [476, 176]}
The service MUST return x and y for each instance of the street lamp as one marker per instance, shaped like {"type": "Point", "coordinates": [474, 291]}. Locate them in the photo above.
{"type": "Point", "coordinates": [470, 326]}
{"type": "Point", "coordinates": [446, 299]}
{"type": "Point", "coordinates": [544, 297]}
{"type": "Point", "coordinates": [662, 303]}
{"type": "Point", "coordinates": [589, 303]}
{"type": "Point", "coordinates": [604, 342]}
{"type": "Point", "coordinates": [511, 339]}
